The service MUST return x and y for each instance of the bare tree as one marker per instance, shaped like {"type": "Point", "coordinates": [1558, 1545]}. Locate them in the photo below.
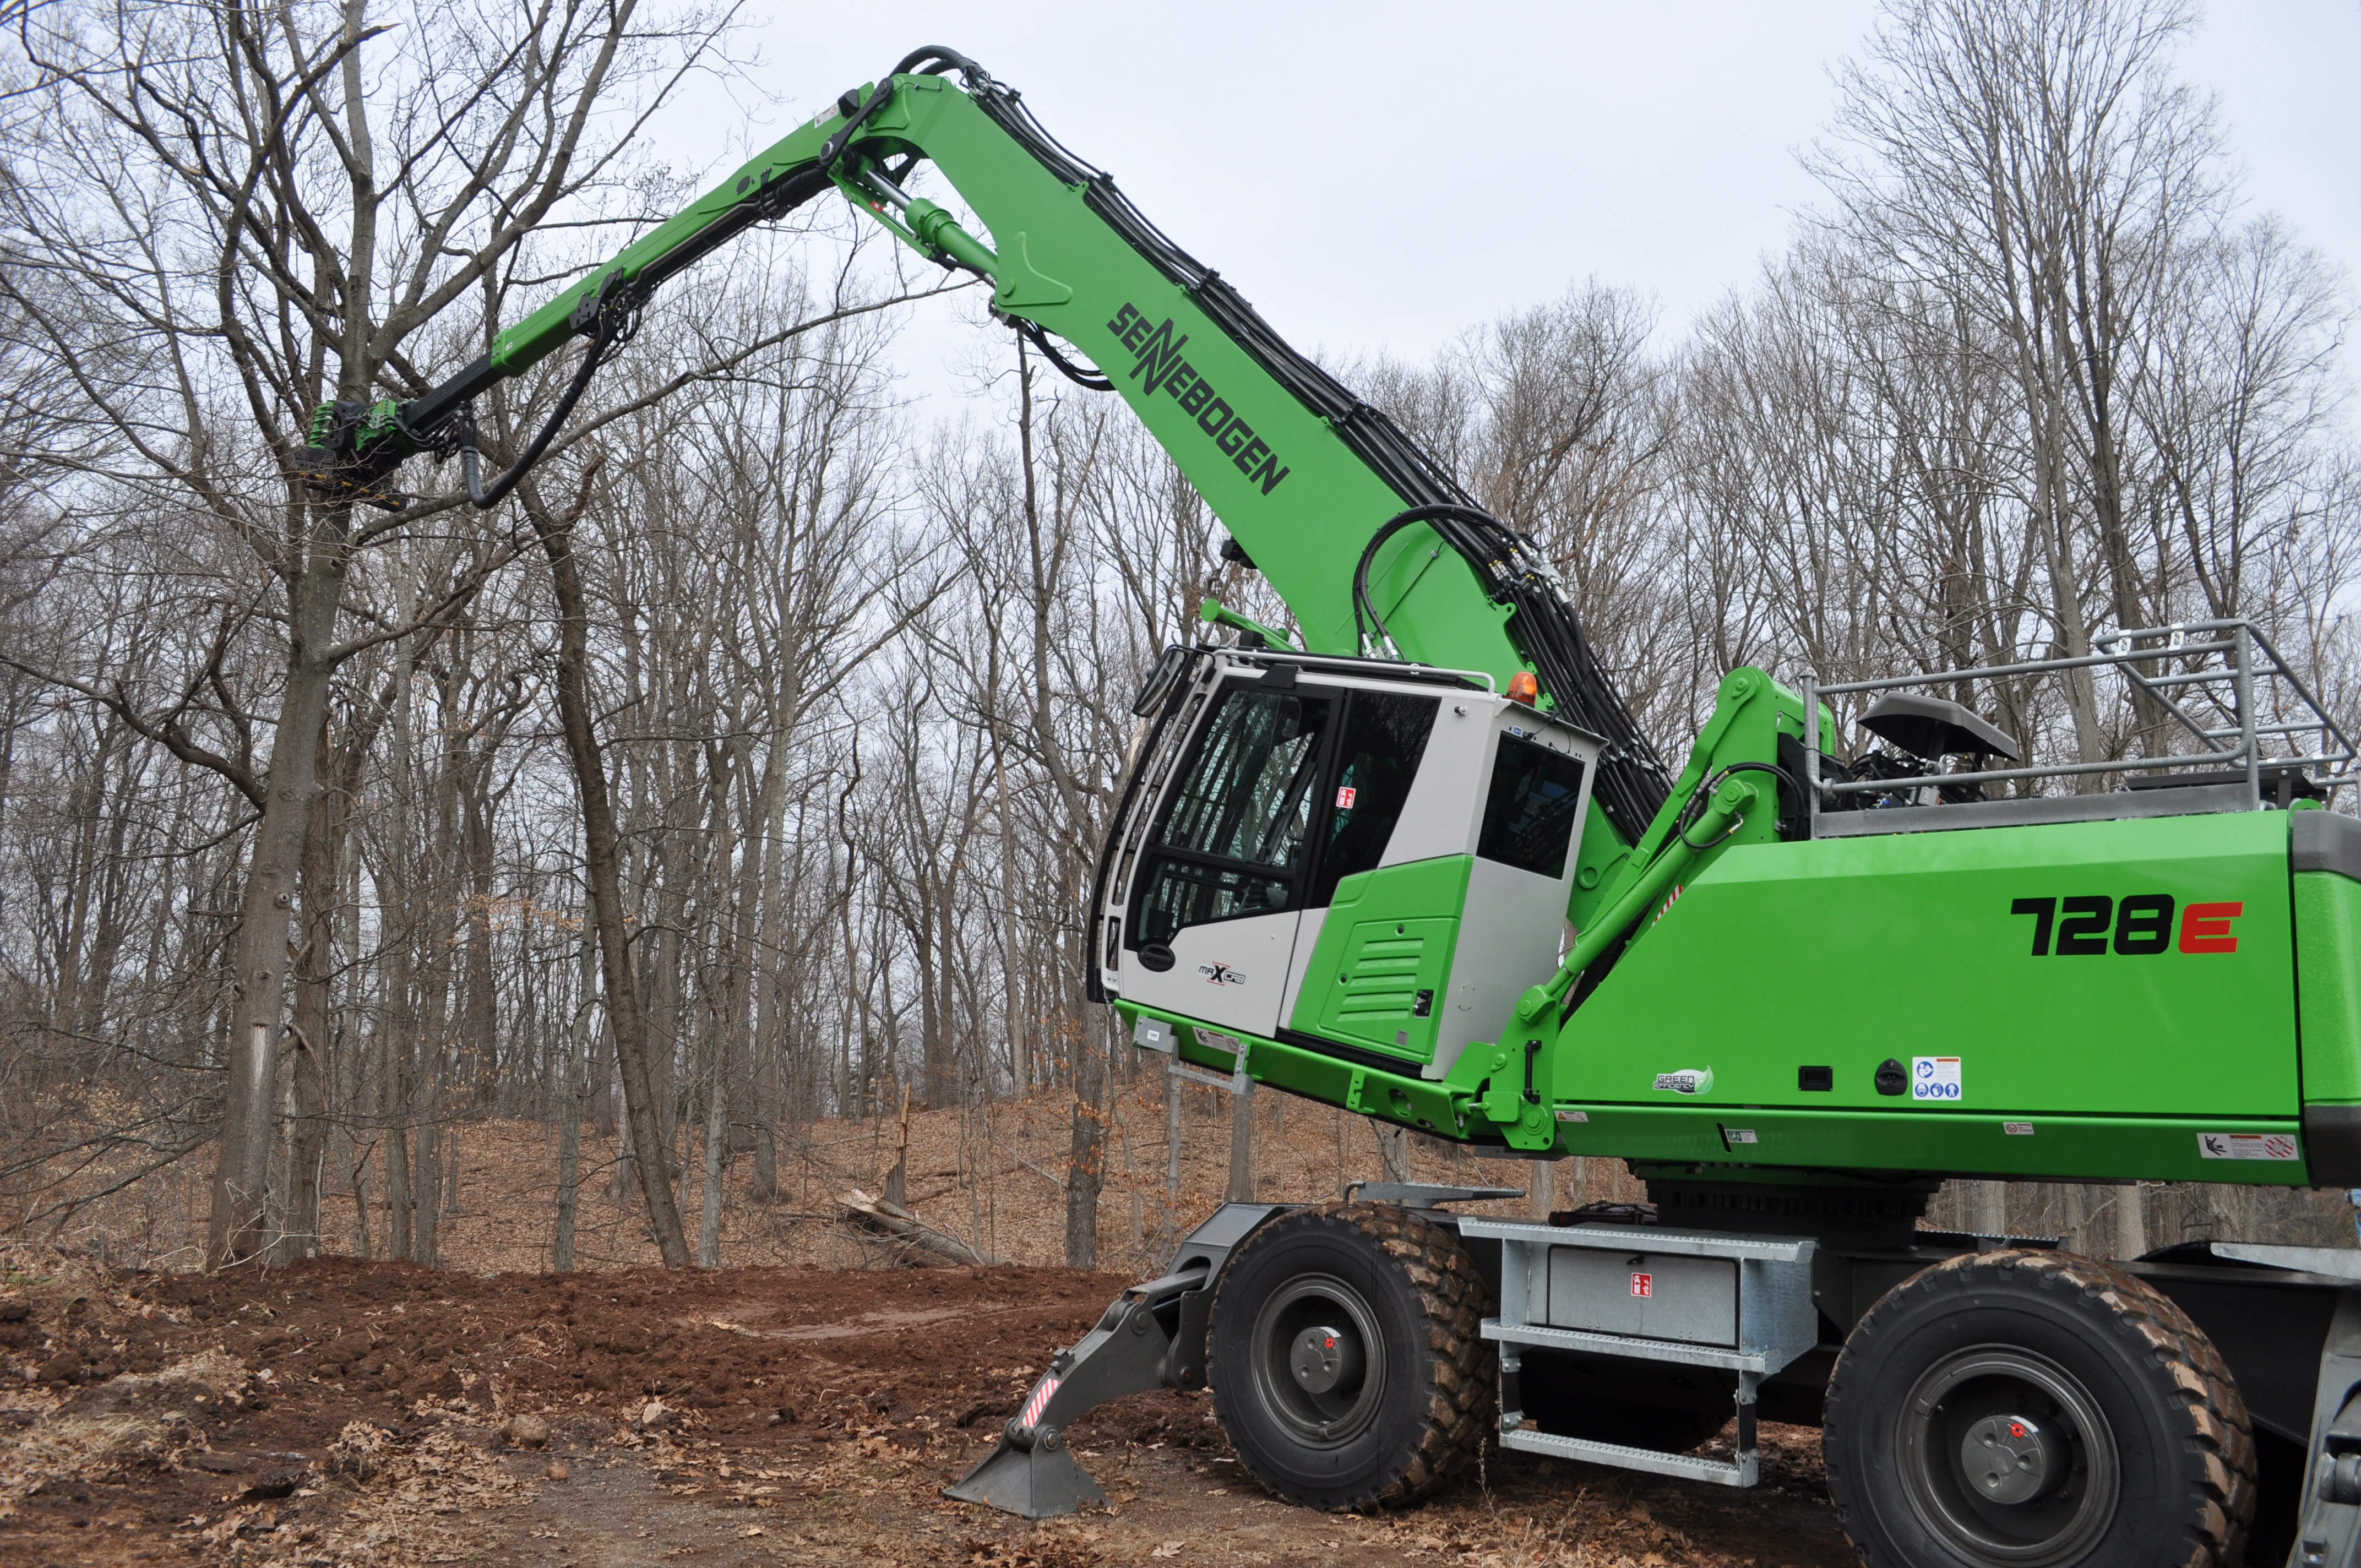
{"type": "Point", "coordinates": [2040, 164]}
{"type": "Point", "coordinates": [277, 213]}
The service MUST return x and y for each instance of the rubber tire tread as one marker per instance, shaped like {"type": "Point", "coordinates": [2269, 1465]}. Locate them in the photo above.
{"type": "Point", "coordinates": [1449, 1294]}
{"type": "Point", "coordinates": [2211, 1413]}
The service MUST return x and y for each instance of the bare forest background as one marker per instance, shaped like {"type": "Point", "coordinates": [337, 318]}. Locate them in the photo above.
{"type": "Point", "coordinates": [304, 806]}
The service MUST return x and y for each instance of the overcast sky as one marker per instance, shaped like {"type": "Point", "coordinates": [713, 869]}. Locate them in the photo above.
{"type": "Point", "coordinates": [1378, 175]}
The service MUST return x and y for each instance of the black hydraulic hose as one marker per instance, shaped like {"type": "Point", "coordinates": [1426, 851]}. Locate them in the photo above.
{"type": "Point", "coordinates": [932, 60]}
{"type": "Point", "coordinates": [1081, 375]}
{"type": "Point", "coordinates": [1368, 553]}
{"type": "Point", "coordinates": [484, 499]}
{"type": "Point", "coordinates": [1697, 796]}
{"type": "Point", "coordinates": [1512, 569]}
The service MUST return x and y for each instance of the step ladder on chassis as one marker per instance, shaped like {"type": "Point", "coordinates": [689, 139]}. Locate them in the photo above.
{"type": "Point", "coordinates": [1736, 1304]}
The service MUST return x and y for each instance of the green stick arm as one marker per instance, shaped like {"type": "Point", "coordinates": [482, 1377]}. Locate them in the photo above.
{"type": "Point", "coordinates": [774, 184]}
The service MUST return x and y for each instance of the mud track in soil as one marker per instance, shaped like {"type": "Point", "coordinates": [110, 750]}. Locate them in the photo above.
{"type": "Point", "coordinates": [350, 1413]}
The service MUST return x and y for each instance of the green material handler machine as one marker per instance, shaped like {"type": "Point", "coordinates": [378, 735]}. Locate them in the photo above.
{"type": "Point", "coordinates": [1418, 861]}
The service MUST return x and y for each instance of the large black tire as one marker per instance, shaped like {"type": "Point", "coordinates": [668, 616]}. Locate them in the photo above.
{"type": "Point", "coordinates": [1394, 1393]}
{"type": "Point", "coordinates": [2036, 1409]}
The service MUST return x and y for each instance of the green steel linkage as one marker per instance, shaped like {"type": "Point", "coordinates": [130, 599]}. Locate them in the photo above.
{"type": "Point", "coordinates": [1213, 612]}
{"type": "Point", "coordinates": [1721, 816]}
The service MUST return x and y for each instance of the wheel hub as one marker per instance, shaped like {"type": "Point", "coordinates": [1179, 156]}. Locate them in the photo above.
{"type": "Point", "coordinates": [2005, 1459]}
{"type": "Point", "coordinates": [1324, 1357]}
{"type": "Point", "coordinates": [1318, 1365]}
{"type": "Point", "coordinates": [2012, 1459]}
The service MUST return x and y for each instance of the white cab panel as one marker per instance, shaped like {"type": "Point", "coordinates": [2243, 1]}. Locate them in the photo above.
{"type": "Point", "coordinates": [1307, 938]}
{"type": "Point", "coordinates": [1510, 934]}
{"type": "Point", "coordinates": [1231, 972]}
{"type": "Point", "coordinates": [1435, 820]}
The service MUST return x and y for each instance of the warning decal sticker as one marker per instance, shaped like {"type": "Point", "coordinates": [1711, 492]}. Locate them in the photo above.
{"type": "Point", "coordinates": [1935, 1077]}
{"type": "Point", "coordinates": [2248, 1145]}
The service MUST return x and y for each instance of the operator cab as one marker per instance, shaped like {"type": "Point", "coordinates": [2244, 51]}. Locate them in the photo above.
{"type": "Point", "coordinates": [1355, 856]}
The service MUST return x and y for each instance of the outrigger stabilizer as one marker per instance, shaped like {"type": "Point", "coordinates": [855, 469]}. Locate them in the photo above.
{"type": "Point", "coordinates": [1151, 1336]}
{"type": "Point", "coordinates": [1031, 1471]}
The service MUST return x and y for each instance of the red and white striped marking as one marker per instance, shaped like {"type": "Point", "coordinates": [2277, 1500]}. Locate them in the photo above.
{"type": "Point", "coordinates": [1038, 1402]}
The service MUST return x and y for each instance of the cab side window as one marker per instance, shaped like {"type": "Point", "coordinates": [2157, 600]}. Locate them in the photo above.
{"type": "Point", "coordinates": [1377, 755]}
{"type": "Point", "coordinates": [1529, 813]}
{"type": "Point", "coordinates": [1249, 794]}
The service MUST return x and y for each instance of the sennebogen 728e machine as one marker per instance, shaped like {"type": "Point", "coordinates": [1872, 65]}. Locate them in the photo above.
{"type": "Point", "coordinates": [1418, 861]}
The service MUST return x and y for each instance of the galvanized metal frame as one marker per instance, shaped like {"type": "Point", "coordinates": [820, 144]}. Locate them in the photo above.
{"type": "Point", "coordinates": [2235, 639]}
{"type": "Point", "coordinates": [1776, 1322]}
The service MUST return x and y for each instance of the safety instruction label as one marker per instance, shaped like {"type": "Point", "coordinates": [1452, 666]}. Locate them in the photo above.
{"type": "Point", "coordinates": [1935, 1077]}
{"type": "Point", "coordinates": [2247, 1145]}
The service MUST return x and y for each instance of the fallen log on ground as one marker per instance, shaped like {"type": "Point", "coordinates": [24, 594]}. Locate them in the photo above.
{"type": "Point", "coordinates": [877, 1214]}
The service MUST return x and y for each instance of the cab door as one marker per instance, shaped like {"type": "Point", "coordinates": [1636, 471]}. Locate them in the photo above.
{"type": "Point", "coordinates": [1215, 909]}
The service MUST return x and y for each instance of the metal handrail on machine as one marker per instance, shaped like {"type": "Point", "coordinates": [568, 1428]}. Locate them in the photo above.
{"type": "Point", "coordinates": [2235, 640]}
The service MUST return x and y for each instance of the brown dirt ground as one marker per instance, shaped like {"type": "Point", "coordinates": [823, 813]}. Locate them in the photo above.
{"type": "Point", "coordinates": [343, 1412]}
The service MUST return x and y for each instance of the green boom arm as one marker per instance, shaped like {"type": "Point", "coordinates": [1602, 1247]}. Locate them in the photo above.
{"type": "Point", "coordinates": [1304, 475]}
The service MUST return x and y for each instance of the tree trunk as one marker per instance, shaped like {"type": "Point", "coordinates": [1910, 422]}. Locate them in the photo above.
{"type": "Point", "coordinates": [569, 1110]}
{"type": "Point", "coordinates": [717, 1138]}
{"type": "Point", "coordinates": [1172, 1134]}
{"type": "Point", "coordinates": [2131, 1220]}
{"type": "Point", "coordinates": [479, 1068]}
{"type": "Point", "coordinates": [235, 1227]}
{"type": "Point", "coordinates": [400, 1209]}
{"type": "Point", "coordinates": [1086, 1155]}
{"type": "Point", "coordinates": [363, 1247]}
{"type": "Point", "coordinates": [602, 864]}
{"type": "Point", "coordinates": [1988, 1208]}
{"type": "Point", "coordinates": [314, 963]}
{"type": "Point", "coordinates": [426, 1181]}
{"type": "Point", "coordinates": [897, 1177]}
{"type": "Point", "coordinates": [1541, 1191]}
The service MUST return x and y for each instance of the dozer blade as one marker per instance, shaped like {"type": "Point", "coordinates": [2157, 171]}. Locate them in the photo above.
{"type": "Point", "coordinates": [1031, 1471]}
